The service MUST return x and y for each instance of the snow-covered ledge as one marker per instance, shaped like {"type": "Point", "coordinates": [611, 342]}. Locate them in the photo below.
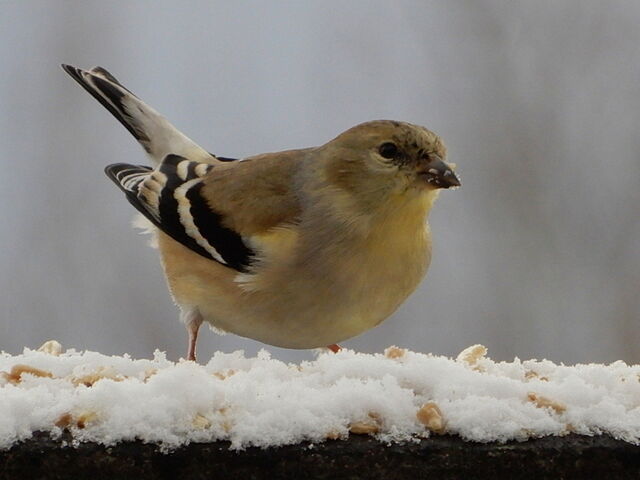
{"type": "Point", "coordinates": [398, 410]}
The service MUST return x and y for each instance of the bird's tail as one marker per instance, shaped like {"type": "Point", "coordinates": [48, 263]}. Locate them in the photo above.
{"type": "Point", "coordinates": [157, 136]}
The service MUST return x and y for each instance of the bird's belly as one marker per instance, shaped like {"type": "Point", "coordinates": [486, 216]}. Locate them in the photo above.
{"type": "Point", "coordinates": [309, 307]}
{"type": "Point", "coordinates": [316, 307]}
{"type": "Point", "coordinates": [308, 314]}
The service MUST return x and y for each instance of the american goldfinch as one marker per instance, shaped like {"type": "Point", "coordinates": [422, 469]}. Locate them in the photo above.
{"type": "Point", "coordinates": [299, 249]}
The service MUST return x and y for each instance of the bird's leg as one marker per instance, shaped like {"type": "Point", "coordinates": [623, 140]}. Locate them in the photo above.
{"type": "Point", "coordinates": [335, 348]}
{"type": "Point", "coordinates": [192, 320]}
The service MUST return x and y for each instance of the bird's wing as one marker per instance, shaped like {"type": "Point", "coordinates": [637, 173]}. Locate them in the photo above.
{"type": "Point", "coordinates": [214, 210]}
{"type": "Point", "coordinates": [154, 132]}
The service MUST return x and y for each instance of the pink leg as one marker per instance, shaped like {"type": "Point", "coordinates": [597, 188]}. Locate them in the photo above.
{"type": "Point", "coordinates": [192, 320]}
{"type": "Point", "coordinates": [335, 348]}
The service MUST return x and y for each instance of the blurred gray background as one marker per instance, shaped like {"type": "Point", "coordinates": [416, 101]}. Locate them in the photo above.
{"type": "Point", "coordinates": [538, 255]}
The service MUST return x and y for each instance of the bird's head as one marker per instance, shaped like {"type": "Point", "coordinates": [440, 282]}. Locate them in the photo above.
{"type": "Point", "coordinates": [380, 158]}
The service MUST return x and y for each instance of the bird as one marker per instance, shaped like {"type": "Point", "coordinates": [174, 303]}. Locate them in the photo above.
{"type": "Point", "coordinates": [299, 249]}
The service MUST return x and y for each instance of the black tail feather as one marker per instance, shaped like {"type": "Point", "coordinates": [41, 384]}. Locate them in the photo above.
{"type": "Point", "coordinates": [106, 91]}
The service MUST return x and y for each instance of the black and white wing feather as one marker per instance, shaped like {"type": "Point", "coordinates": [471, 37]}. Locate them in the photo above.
{"type": "Point", "coordinates": [170, 197]}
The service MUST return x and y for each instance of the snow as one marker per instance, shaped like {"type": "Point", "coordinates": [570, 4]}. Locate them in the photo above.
{"type": "Point", "coordinates": [259, 401]}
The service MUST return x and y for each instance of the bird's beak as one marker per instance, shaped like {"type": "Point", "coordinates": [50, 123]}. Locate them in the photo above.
{"type": "Point", "coordinates": [439, 174]}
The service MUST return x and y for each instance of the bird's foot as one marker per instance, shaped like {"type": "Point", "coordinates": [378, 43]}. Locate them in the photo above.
{"type": "Point", "coordinates": [192, 320]}
{"type": "Point", "coordinates": [335, 348]}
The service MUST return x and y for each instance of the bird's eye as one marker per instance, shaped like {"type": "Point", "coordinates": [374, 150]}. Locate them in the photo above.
{"type": "Point", "coordinates": [388, 150]}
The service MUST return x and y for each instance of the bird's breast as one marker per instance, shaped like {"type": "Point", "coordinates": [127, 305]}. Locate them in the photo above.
{"type": "Point", "coordinates": [323, 288]}
{"type": "Point", "coordinates": [309, 288]}
{"type": "Point", "coordinates": [381, 271]}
